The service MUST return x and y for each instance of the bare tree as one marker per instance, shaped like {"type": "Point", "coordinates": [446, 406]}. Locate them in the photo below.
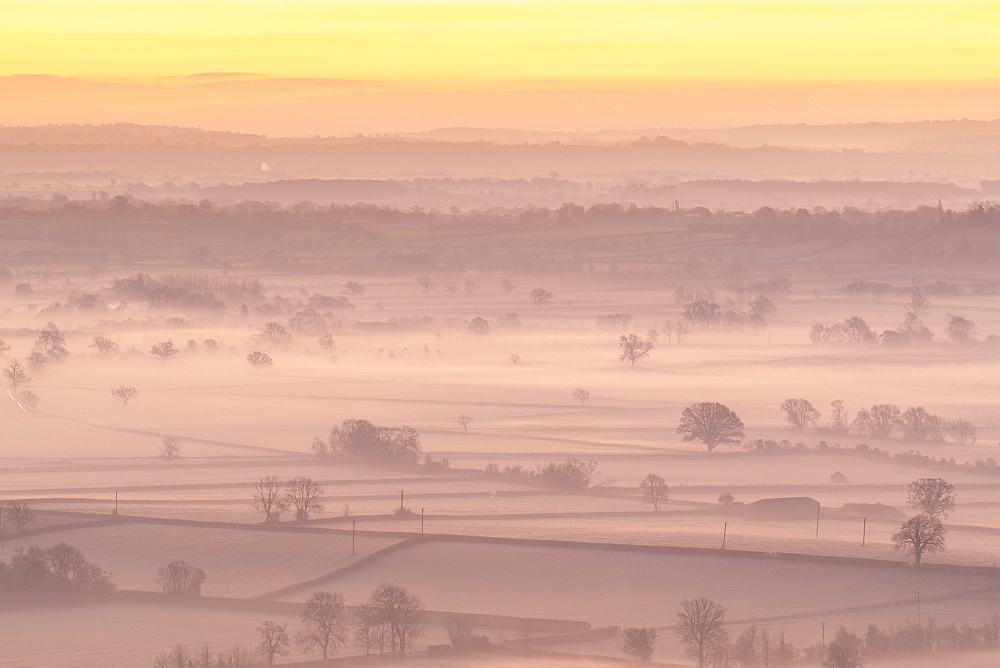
{"type": "Point", "coordinates": [178, 657]}
{"type": "Point", "coordinates": [37, 361]}
{"type": "Point", "coordinates": [180, 577]}
{"type": "Point", "coordinates": [934, 497]}
{"type": "Point", "coordinates": [479, 326]}
{"type": "Point", "coordinates": [800, 412]}
{"type": "Point", "coordinates": [104, 346]}
{"type": "Point", "coordinates": [259, 360]}
{"type": "Point", "coordinates": [303, 493]}
{"type": "Point", "coordinates": [920, 425]}
{"type": "Point", "coordinates": [426, 283]}
{"type": "Point", "coordinates": [51, 343]}
{"type": "Point", "coordinates": [21, 514]}
{"type": "Point", "coordinates": [681, 331]}
{"type": "Point", "coordinates": [700, 627]}
{"type": "Point", "coordinates": [402, 613]}
{"type": "Point", "coordinates": [274, 335]}
{"type": "Point", "coordinates": [540, 296]}
{"type": "Point", "coordinates": [919, 534]}
{"type": "Point", "coordinates": [274, 640]}
{"type": "Point", "coordinates": [16, 374]}
{"type": "Point", "coordinates": [171, 448]}
{"type": "Point", "coordinates": [370, 628]}
{"type": "Point", "coordinates": [881, 418]}
{"type": "Point", "coordinates": [963, 431]}
{"type": "Point", "coordinates": [328, 343]}
{"type": "Point", "coordinates": [268, 499]}
{"type": "Point", "coordinates": [960, 331]}
{"type": "Point", "coordinates": [633, 348]}
{"type": "Point", "coordinates": [859, 332]}
{"type": "Point", "coordinates": [124, 394]}
{"type": "Point", "coordinates": [323, 623]}
{"type": "Point", "coordinates": [4, 347]}
{"type": "Point", "coordinates": [354, 289]}
{"type": "Point", "coordinates": [464, 420]}
{"type": "Point", "coordinates": [29, 401]}
{"type": "Point", "coordinates": [165, 351]}
{"type": "Point", "coordinates": [639, 642]}
{"type": "Point", "coordinates": [654, 490]}
{"type": "Point", "coordinates": [838, 419]}
{"type": "Point", "coordinates": [844, 651]}
{"type": "Point", "coordinates": [711, 423]}
{"type": "Point", "coordinates": [581, 395]}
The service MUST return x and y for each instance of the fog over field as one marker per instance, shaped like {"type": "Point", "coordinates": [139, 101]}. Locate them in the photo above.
{"type": "Point", "coordinates": [480, 334]}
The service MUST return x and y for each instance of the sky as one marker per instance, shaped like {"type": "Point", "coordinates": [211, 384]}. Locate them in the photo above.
{"type": "Point", "coordinates": [390, 66]}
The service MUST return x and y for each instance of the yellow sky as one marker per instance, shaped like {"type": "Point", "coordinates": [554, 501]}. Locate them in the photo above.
{"type": "Point", "coordinates": [504, 45]}
{"type": "Point", "coordinates": [317, 66]}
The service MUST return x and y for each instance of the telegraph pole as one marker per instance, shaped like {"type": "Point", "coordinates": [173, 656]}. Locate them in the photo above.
{"type": "Point", "coordinates": [421, 521]}
{"type": "Point", "coordinates": [725, 529]}
{"type": "Point", "coordinates": [817, 520]}
{"type": "Point", "coordinates": [354, 528]}
{"type": "Point", "coordinates": [864, 532]}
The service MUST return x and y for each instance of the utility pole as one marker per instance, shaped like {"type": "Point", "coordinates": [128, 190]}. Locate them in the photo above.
{"type": "Point", "coordinates": [864, 532]}
{"type": "Point", "coordinates": [824, 635]}
{"type": "Point", "coordinates": [421, 521]}
{"type": "Point", "coordinates": [116, 503]}
{"type": "Point", "coordinates": [918, 608]}
{"type": "Point", "coordinates": [354, 528]}
{"type": "Point", "coordinates": [725, 529]}
{"type": "Point", "coordinates": [817, 520]}
{"type": "Point", "coordinates": [401, 500]}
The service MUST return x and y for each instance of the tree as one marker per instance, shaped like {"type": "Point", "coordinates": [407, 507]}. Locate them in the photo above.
{"type": "Point", "coordinates": [170, 450]}
{"type": "Point", "coordinates": [354, 289]}
{"type": "Point", "coordinates": [918, 304]}
{"type": "Point", "coordinates": [479, 326]}
{"type": "Point", "coordinates": [800, 412]}
{"type": "Point", "coordinates": [164, 350]}
{"type": "Point", "coordinates": [259, 360]}
{"type": "Point", "coordinates": [639, 642]}
{"type": "Point", "coordinates": [960, 331]}
{"type": "Point", "coordinates": [178, 657]}
{"type": "Point", "coordinates": [920, 425]}
{"type": "Point", "coordinates": [515, 359]}
{"type": "Point", "coordinates": [29, 401]}
{"type": "Point", "coordinates": [921, 533]}
{"type": "Point", "coordinates": [37, 361]}
{"type": "Point", "coordinates": [370, 629]}
{"type": "Point", "coordinates": [726, 499]}
{"type": "Point", "coordinates": [581, 395]}
{"type": "Point", "coordinates": [104, 346]}
{"type": "Point", "coordinates": [963, 431]}
{"type": "Point", "coordinates": [124, 394]}
{"type": "Point", "coordinates": [838, 419]}
{"type": "Point", "coordinates": [710, 423]}
{"type": "Point", "coordinates": [654, 490]}
{"type": "Point", "coordinates": [268, 499]}
{"type": "Point", "coordinates": [539, 296]}
{"type": "Point", "coordinates": [323, 623]}
{"type": "Point", "coordinates": [844, 651]}
{"type": "Point", "coordinates": [303, 493]}
{"type": "Point", "coordinates": [881, 418]}
{"type": "Point", "coordinates": [699, 625]}
{"type": "Point", "coordinates": [426, 283]}
{"type": "Point", "coordinates": [507, 285]}
{"type": "Point", "coordinates": [16, 374]}
{"type": "Point", "coordinates": [933, 496]}
{"type": "Point", "coordinates": [51, 343]}
{"type": "Point", "coordinates": [4, 347]}
{"type": "Point", "coordinates": [859, 332]}
{"type": "Point", "coordinates": [21, 514]}
{"type": "Point", "coordinates": [633, 348]}
{"type": "Point", "coordinates": [401, 612]}
{"type": "Point", "coordinates": [464, 420]}
{"type": "Point", "coordinates": [180, 577]}
{"type": "Point", "coordinates": [274, 640]}
{"type": "Point", "coordinates": [327, 343]}
{"type": "Point", "coordinates": [274, 335]}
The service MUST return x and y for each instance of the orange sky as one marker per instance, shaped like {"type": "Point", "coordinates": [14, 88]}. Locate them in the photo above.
{"type": "Point", "coordinates": [263, 61]}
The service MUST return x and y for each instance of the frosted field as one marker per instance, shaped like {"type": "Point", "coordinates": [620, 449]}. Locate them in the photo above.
{"type": "Point", "coordinates": [238, 563]}
{"type": "Point", "coordinates": [237, 425]}
{"type": "Point", "coordinates": [562, 583]}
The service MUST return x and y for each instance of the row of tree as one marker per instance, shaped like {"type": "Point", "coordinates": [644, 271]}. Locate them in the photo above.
{"type": "Point", "coordinates": [388, 621]}
{"type": "Point", "coordinates": [917, 423]}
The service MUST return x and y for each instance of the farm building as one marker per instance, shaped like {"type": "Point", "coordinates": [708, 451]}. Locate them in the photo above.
{"type": "Point", "coordinates": [786, 508]}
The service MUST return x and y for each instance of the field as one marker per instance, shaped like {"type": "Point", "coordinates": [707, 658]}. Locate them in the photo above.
{"type": "Point", "coordinates": [494, 543]}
